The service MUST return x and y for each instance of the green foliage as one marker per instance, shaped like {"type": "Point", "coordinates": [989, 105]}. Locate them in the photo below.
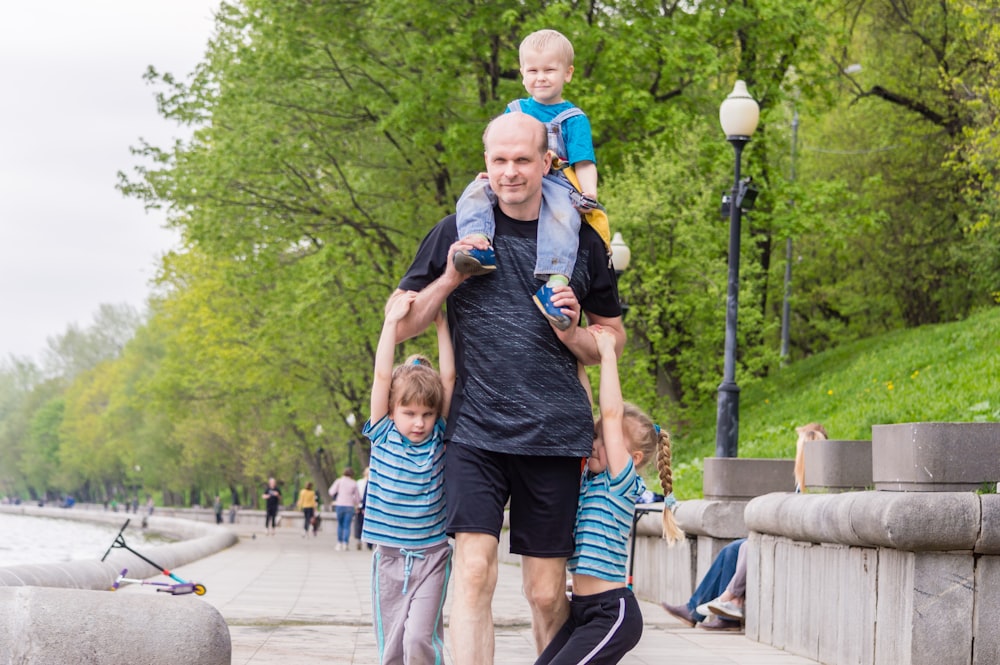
{"type": "Point", "coordinates": [329, 136]}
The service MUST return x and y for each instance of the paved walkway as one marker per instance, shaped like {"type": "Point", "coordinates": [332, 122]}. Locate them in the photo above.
{"type": "Point", "coordinates": [289, 599]}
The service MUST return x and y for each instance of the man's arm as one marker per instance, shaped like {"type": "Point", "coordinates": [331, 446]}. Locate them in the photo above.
{"type": "Point", "coordinates": [424, 307]}
{"type": "Point", "coordinates": [578, 340]}
{"type": "Point", "coordinates": [446, 360]}
{"type": "Point", "coordinates": [582, 343]}
{"type": "Point", "coordinates": [431, 298]}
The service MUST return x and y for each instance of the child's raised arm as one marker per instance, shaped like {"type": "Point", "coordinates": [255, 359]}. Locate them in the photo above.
{"type": "Point", "coordinates": [446, 360]}
{"type": "Point", "coordinates": [397, 308]}
{"type": "Point", "coordinates": [610, 400]}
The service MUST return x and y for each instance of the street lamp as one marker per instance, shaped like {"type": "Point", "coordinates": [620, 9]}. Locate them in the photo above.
{"type": "Point", "coordinates": [351, 420]}
{"type": "Point", "coordinates": [738, 116]}
{"type": "Point", "coordinates": [621, 256]}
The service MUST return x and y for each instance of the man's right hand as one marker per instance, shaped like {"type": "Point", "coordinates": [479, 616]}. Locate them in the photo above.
{"type": "Point", "coordinates": [451, 274]}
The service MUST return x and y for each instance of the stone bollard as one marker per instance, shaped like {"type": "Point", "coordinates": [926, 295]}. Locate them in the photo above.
{"type": "Point", "coordinates": [45, 626]}
{"type": "Point", "coordinates": [935, 457]}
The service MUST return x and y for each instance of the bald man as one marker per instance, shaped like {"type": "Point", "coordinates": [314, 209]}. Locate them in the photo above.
{"type": "Point", "coordinates": [520, 419]}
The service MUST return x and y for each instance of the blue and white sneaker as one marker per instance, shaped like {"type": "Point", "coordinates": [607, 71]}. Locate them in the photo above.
{"type": "Point", "coordinates": [543, 298]}
{"type": "Point", "coordinates": [475, 261]}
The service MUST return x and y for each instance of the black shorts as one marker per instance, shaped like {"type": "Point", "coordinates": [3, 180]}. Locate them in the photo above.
{"type": "Point", "coordinates": [543, 493]}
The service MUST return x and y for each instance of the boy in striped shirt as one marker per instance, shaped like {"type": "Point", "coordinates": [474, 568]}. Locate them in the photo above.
{"type": "Point", "coordinates": [405, 506]}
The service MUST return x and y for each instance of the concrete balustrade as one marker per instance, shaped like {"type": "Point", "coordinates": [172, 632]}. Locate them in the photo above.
{"type": "Point", "coordinates": [63, 612]}
{"type": "Point", "coordinates": [876, 577]}
{"type": "Point", "coordinates": [45, 626]}
{"type": "Point", "coordinates": [195, 541]}
{"type": "Point", "coordinates": [893, 576]}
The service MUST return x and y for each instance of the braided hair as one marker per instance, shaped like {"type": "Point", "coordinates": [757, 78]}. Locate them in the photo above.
{"type": "Point", "coordinates": [653, 442]}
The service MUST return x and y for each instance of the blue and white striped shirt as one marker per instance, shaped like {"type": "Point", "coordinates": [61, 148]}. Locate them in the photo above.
{"type": "Point", "coordinates": [405, 503]}
{"type": "Point", "coordinates": [603, 523]}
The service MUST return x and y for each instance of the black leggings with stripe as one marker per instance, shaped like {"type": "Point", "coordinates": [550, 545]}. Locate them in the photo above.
{"type": "Point", "coordinates": [603, 627]}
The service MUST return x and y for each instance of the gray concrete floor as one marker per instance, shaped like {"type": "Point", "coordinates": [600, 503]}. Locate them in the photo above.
{"type": "Point", "coordinates": [289, 599]}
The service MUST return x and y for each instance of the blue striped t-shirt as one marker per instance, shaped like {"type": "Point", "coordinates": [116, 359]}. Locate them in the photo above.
{"type": "Point", "coordinates": [603, 523]}
{"type": "Point", "coordinates": [405, 503]}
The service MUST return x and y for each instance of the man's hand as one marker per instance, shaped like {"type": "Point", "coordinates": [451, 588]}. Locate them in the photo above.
{"type": "Point", "coordinates": [451, 274]}
{"type": "Point", "coordinates": [432, 297]}
{"type": "Point", "coordinates": [564, 298]}
{"type": "Point", "coordinates": [582, 343]}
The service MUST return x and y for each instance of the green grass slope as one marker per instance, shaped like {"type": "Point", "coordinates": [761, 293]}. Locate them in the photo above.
{"type": "Point", "coordinates": [942, 373]}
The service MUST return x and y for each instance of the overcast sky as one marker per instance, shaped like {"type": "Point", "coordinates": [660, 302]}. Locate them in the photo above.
{"type": "Point", "coordinates": [72, 102]}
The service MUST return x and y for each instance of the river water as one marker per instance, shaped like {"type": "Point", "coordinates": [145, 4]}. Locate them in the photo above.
{"type": "Point", "coordinates": [26, 539]}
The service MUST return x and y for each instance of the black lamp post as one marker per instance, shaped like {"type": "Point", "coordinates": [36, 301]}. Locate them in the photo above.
{"type": "Point", "coordinates": [738, 115]}
{"type": "Point", "coordinates": [621, 256]}
{"type": "Point", "coordinates": [351, 421]}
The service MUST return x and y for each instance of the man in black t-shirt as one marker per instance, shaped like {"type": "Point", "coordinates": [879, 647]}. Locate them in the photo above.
{"type": "Point", "coordinates": [272, 495]}
{"type": "Point", "coordinates": [520, 419]}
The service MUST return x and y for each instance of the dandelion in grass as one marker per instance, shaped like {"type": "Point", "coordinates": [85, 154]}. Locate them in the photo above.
{"type": "Point", "coordinates": [889, 386]}
{"type": "Point", "coordinates": [916, 373]}
{"type": "Point", "coordinates": [830, 391]}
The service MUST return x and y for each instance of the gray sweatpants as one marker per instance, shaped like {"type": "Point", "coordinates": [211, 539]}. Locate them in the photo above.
{"type": "Point", "coordinates": [408, 592]}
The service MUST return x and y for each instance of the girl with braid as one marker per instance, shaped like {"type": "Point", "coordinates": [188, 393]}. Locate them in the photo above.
{"type": "Point", "coordinates": [604, 618]}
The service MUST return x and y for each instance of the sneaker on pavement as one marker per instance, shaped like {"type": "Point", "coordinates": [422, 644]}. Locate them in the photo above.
{"type": "Point", "coordinates": [703, 609]}
{"type": "Point", "coordinates": [475, 261]}
{"type": "Point", "coordinates": [680, 612]}
{"type": "Point", "coordinates": [720, 624]}
{"type": "Point", "coordinates": [724, 608]}
{"type": "Point", "coordinates": [543, 298]}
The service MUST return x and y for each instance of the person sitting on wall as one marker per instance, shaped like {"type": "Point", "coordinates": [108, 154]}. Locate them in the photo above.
{"type": "Point", "coordinates": [713, 588]}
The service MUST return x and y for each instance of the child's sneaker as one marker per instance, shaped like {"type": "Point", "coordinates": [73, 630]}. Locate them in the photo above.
{"type": "Point", "coordinates": [475, 261]}
{"type": "Point", "coordinates": [543, 298]}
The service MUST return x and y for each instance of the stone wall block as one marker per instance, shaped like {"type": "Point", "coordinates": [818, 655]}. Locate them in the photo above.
{"type": "Point", "coordinates": [935, 457]}
{"type": "Point", "coordinates": [837, 465]}
{"type": "Point", "coordinates": [46, 626]}
{"type": "Point", "coordinates": [914, 521]}
{"type": "Point", "coordinates": [827, 585]}
{"type": "Point", "coordinates": [801, 636]}
{"type": "Point", "coordinates": [718, 519]}
{"type": "Point", "coordinates": [855, 617]}
{"type": "Point", "coordinates": [751, 603]}
{"type": "Point", "coordinates": [663, 573]}
{"type": "Point", "coordinates": [768, 577]}
{"type": "Point", "coordinates": [943, 603]}
{"type": "Point", "coordinates": [742, 478]}
{"type": "Point", "coordinates": [780, 621]}
{"type": "Point", "coordinates": [986, 637]}
{"type": "Point", "coordinates": [917, 521]}
{"type": "Point", "coordinates": [989, 535]}
{"type": "Point", "coordinates": [894, 607]}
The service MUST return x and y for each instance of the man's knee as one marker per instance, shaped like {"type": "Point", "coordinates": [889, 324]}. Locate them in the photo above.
{"type": "Point", "coordinates": [476, 562]}
{"type": "Point", "coordinates": [545, 598]}
{"type": "Point", "coordinates": [545, 583]}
